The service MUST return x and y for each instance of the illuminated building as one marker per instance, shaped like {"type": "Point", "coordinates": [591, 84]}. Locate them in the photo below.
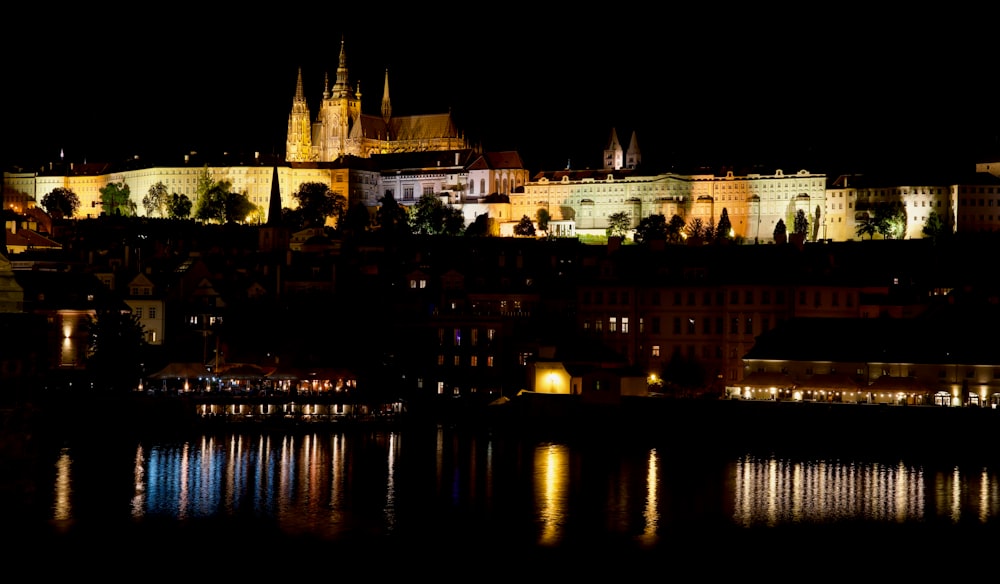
{"type": "Point", "coordinates": [341, 128]}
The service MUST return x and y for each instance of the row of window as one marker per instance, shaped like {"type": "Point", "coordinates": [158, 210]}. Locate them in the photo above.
{"type": "Point", "coordinates": [473, 360]}
{"type": "Point", "coordinates": [718, 298]}
{"type": "Point", "coordinates": [150, 314]}
{"type": "Point", "coordinates": [680, 325]}
{"type": "Point", "coordinates": [473, 339]}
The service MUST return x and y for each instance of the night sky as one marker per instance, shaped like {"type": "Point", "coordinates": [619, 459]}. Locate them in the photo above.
{"type": "Point", "coordinates": [825, 91]}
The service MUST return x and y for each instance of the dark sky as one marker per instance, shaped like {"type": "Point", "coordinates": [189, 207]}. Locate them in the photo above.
{"type": "Point", "coordinates": [824, 91]}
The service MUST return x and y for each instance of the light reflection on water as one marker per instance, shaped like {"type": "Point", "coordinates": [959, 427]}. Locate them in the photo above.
{"type": "Point", "coordinates": [340, 485]}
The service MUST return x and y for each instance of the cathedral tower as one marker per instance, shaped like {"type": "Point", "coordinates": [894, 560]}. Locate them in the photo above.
{"type": "Point", "coordinates": [613, 153]}
{"type": "Point", "coordinates": [298, 146]}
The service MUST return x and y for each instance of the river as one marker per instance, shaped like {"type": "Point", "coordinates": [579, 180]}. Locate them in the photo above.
{"type": "Point", "coordinates": [461, 493]}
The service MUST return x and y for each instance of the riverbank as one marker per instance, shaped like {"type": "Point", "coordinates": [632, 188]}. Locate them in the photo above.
{"type": "Point", "coordinates": [930, 431]}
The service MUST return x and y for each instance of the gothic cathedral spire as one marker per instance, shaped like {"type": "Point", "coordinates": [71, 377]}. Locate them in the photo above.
{"type": "Point", "coordinates": [298, 145]}
{"type": "Point", "coordinates": [341, 88]}
{"type": "Point", "coordinates": [386, 107]}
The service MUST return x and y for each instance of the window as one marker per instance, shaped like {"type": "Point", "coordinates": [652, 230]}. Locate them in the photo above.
{"type": "Point", "coordinates": [748, 326]}
{"type": "Point", "coordinates": [690, 326]}
{"type": "Point", "coordinates": [423, 284]}
{"type": "Point", "coordinates": [489, 361]}
{"type": "Point", "coordinates": [734, 297]}
{"type": "Point", "coordinates": [624, 325]}
{"type": "Point", "coordinates": [656, 351]}
{"type": "Point", "coordinates": [475, 337]}
{"type": "Point", "coordinates": [677, 325]}
{"type": "Point", "coordinates": [491, 334]}
{"type": "Point", "coordinates": [473, 361]}
{"type": "Point", "coordinates": [749, 297]}
{"type": "Point", "coordinates": [440, 359]}
{"type": "Point", "coordinates": [655, 323]}
{"type": "Point", "coordinates": [407, 193]}
{"type": "Point", "coordinates": [457, 361]}
{"type": "Point", "coordinates": [428, 190]}
{"type": "Point", "coordinates": [458, 337]}
{"type": "Point", "coordinates": [734, 326]}
{"type": "Point", "coordinates": [152, 312]}
{"type": "Point", "coordinates": [138, 312]}
{"type": "Point", "coordinates": [612, 324]}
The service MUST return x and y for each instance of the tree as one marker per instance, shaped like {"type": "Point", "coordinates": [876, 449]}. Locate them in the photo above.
{"type": "Point", "coordinates": [155, 201]}
{"type": "Point", "coordinates": [894, 226]}
{"type": "Point", "coordinates": [543, 218]}
{"type": "Point", "coordinates": [722, 231]}
{"type": "Point", "coordinates": [780, 230]}
{"type": "Point", "coordinates": [430, 216]}
{"type": "Point", "coordinates": [675, 228]}
{"type": "Point", "coordinates": [866, 226]}
{"type": "Point", "coordinates": [935, 228]}
{"type": "Point", "coordinates": [524, 227]}
{"type": "Point", "coordinates": [357, 219]}
{"type": "Point", "coordinates": [212, 204]}
{"type": "Point", "coordinates": [618, 224]}
{"type": "Point", "coordinates": [116, 199]}
{"type": "Point", "coordinates": [61, 203]}
{"type": "Point", "coordinates": [316, 202]}
{"type": "Point", "coordinates": [696, 229]}
{"type": "Point", "coordinates": [392, 218]}
{"type": "Point", "coordinates": [117, 348]}
{"type": "Point", "coordinates": [480, 227]}
{"type": "Point", "coordinates": [178, 206]}
{"type": "Point", "coordinates": [236, 207]}
{"type": "Point", "coordinates": [651, 228]}
{"type": "Point", "coordinates": [801, 226]}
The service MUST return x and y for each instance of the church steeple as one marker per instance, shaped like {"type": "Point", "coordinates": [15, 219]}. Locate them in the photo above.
{"type": "Point", "coordinates": [386, 106]}
{"type": "Point", "coordinates": [298, 143]}
{"type": "Point", "coordinates": [613, 153]}
{"type": "Point", "coordinates": [632, 156]}
{"type": "Point", "coordinates": [341, 88]}
{"type": "Point", "coordinates": [274, 204]}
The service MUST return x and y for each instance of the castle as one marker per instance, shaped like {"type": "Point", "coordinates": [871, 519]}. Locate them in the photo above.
{"type": "Point", "coordinates": [342, 129]}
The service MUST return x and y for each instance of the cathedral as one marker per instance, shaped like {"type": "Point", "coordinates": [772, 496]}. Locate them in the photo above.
{"type": "Point", "coordinates": [341, 128]}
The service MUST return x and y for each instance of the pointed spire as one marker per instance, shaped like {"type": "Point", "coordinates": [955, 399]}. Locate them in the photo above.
{"type": "Point", "coordinates": [341, 88]}
{"type": "Point", "coordinates": [633, 157]}
{"type": "Point", "coordinates": [300, 94]}
{"type": "Point", "coordinates": [386, 106]}
{"type": "Point", "coordinates": [274, 205]}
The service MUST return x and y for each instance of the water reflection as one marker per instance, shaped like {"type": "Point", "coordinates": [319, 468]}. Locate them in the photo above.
{"type": "Point", "coordinates": [551, 478]}
{"type": "Point", "coordinates": [343, 485]}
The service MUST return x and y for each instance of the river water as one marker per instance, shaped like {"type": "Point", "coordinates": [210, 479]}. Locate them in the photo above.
{"type": "Point", "coordinates": [458, 490]}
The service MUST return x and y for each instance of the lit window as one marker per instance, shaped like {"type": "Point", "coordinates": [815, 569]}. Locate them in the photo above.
{"type": "Point", "coordinates": [473, 361]}
{"type": "Point", "coordinates": [440, 359]}
{"type": "Point", "coordinates": [440, 387]}
{"type": "Point", "coordinates": [413, 284]}
{"type": "Point", "coordinates": [457, 361]}
{"type": "Point", "coordinates": [624, 325]}
{"type": "Point", "coordinates": [612, 324]}
{"type": "Point", "coordinates": [489, 361]}
{"type": "Point", "coordinates": [656, 351]}
{"type": "Point", "coordinates": [423, 284]}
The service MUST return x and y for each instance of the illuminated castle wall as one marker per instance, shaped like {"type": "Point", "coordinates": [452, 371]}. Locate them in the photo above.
{"type": "Point", "coordinates": [341, 128]}
{"type": "Point", "coordinates": [754, 203]}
